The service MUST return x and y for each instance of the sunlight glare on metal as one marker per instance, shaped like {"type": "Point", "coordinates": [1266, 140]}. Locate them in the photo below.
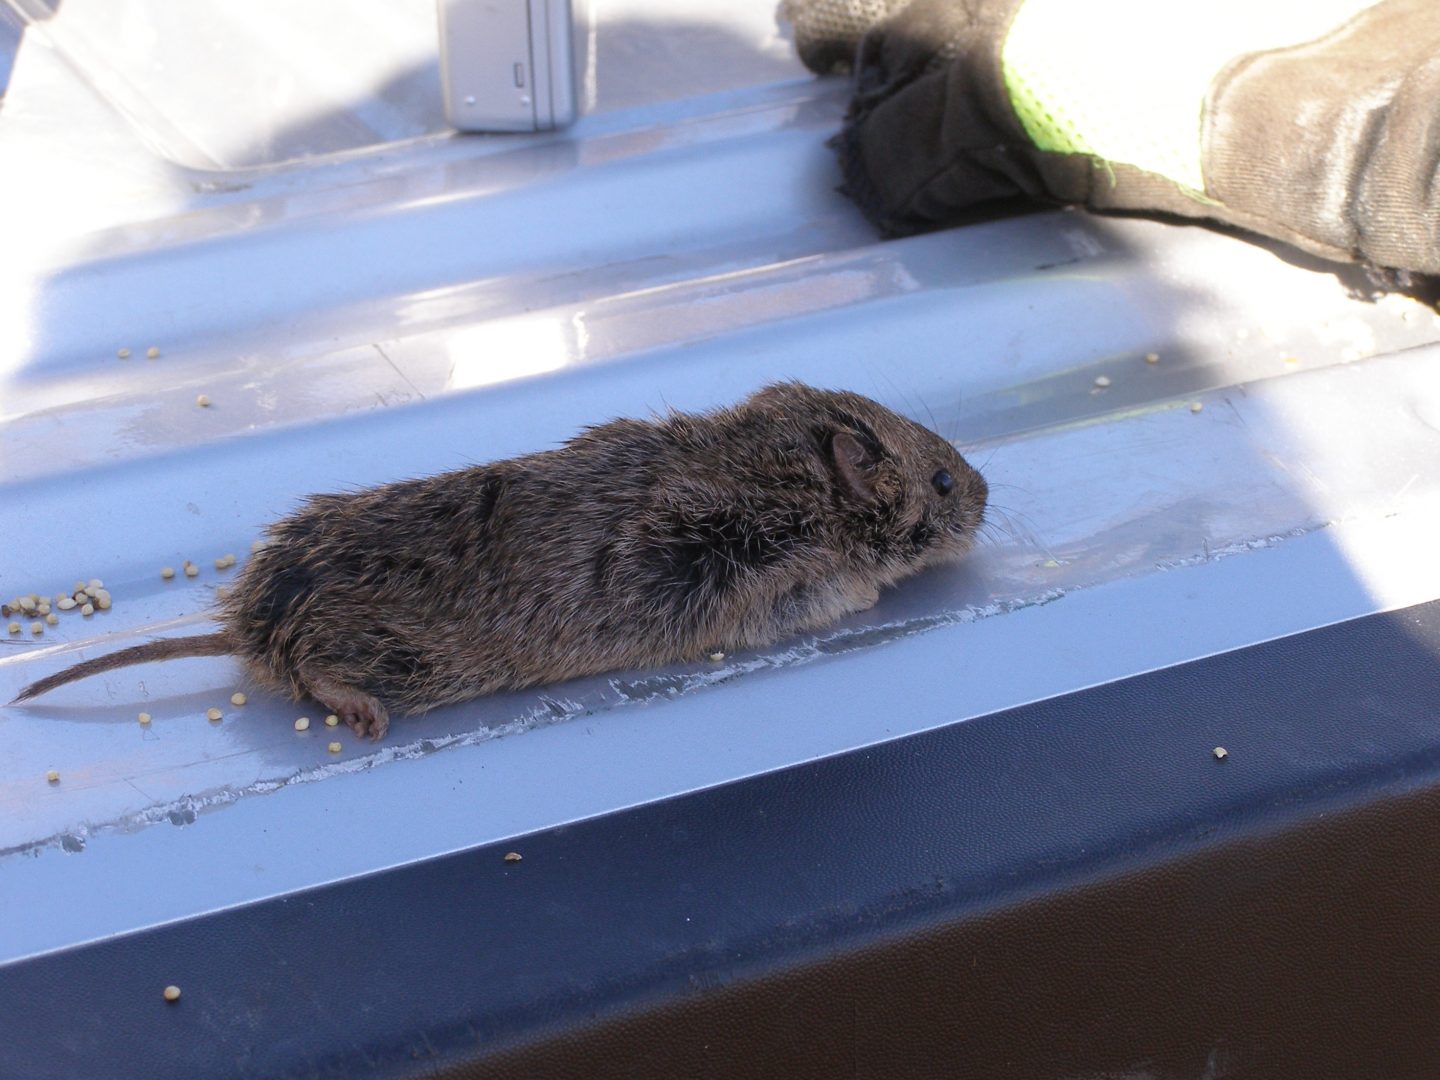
{"type": "Point", "coordinates": [497, 352]}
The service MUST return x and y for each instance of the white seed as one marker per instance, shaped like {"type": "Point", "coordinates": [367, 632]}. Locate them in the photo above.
{"type": "Point", "coordinates": [1220, 753]}
{"type": "Point", "coordinates": [334, 748]}
{"type": "Point", "coordinates": [1195, 406]}
{"type": "Point", "coordinates": [66, 604]}
{"type": "Point", "coordinates": [53, 776]}
{"type": "Point", "coordinates": [237, 698]}
{"type": "Point", "coordinates": [95, 583]}
{"type": "Point", "coordinates": [716, 657]}
{"type": "Point", "coordinates": [37, 628]}
{"type": "Point", "coordinates": [332, 720]}
{"type": "Point", "coordinates": [152, 352]}
{"type": "Point", "coordinates": [1152, 358]}
{"type": "Point", "coordinates": [14, 628]}
{"type": "Point", "coordinates": [79, 587]}
{"type": "Point", "coordinates": [102, 599]}
{"type": "Point", "coordinates": [203, 400]}
{"type": "Point", "coordinates": [123, 354]}
{"type": "Point", "coordinates": [43, 608]}
{"type": "Point", "coordinates": [87, 609]}
{"type": "Point", "coordinates": [302, 724]}
{"type": "Point", "coordinates": [61, 597]}
{"type": "Point", "coordinates": [52, 619]}
{"type": "Point", "coordinates": [167, 572]}
{"type": "Point", "coordinates": [27, 603]}
{"type": "Point", "coordinates": [191, 570]}
{"type": "Point", "coordinates": [1102, 381]}
{"type": "Point", "coordinates": [144, 718]}
{"type": "Point", "coordinates": [513, 856]}
{"type": "Point", "coordinates": [213, 714]}
{"type": "Point", "coordinates": [172, 993]}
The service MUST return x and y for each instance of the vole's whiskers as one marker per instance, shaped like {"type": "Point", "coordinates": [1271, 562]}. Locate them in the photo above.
{"type": "Point", "coordinates": [1014, 529]}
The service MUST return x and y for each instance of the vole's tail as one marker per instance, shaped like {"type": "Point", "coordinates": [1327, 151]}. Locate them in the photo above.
{"type": "Point", "coordinates": [217, 644]}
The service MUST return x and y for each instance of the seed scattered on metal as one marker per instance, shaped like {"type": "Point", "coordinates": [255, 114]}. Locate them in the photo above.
{"type": "Point", "coordinates": [1102, 381]}
{"type": "Point", "coordinates": [172, 993]}
{"type": "Point", "coordinates": [167, 572]}
{"type": "Point", "coordinates": [27, 604]}
{"type": "Point", "coordinates": [37, 628]}
{"type": "Point", "coordinates": [53, 776]}
{"type": "Point", "coordinates": [87, 609]}
{"type": "Point", "coordinates": [513, 856]}
{"type": "Point", "coordinates": [332, 720]}
{"type": "Point", "coordinates": [191, 570]}
{"type": "Point", "coordinates": [1152, 358]}
{"type": "Point", "coordinates": [203, 400]}
{"type": "Point", "coordinates": [302, 724]}
{"type": "Point", "coordinates": [95, 583]}
{"type": "Point", "coordinates": [237, 698]}
{"type": "Point", "coordinates": [123, 354]}
{"type": "Point", "coordinates": [14, 628]}
{"type": "Point", "coordinates": [144, 718]}
{"type": "Point", "coordinates": [716, 657]}
{"type": "Point", "coordinates": [102, 599]}
{"type": "Point", "coordinates": [1196, 406]}
{"type": "Point", "coordinates": [334, 748]}
{"type": "Point", "coordinates": [151, 353]}
{"type": "Point", "coordinates": [1220, 753]}
{"type": "Point", "coordinates": [213, 714]}
{"type": "Point", "coordinates": [52, 619]}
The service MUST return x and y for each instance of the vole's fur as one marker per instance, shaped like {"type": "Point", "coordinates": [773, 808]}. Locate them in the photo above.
{"type": "Point", "coordinates": [636, 543]}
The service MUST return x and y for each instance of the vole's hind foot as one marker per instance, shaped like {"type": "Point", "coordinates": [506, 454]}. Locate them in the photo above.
{"type": "Point", "coordinates": [363, 714]}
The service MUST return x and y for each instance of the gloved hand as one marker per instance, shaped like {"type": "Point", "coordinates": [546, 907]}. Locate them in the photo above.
{"type": "Point", "coordinates": [1316, 123]}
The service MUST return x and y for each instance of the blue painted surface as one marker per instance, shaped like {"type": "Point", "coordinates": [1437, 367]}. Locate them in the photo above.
{"type": "Point", "coordinates": [394, 310]}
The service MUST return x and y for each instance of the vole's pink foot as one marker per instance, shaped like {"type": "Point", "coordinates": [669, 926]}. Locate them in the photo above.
{"type": "Point", "coordinates": [362, 713]}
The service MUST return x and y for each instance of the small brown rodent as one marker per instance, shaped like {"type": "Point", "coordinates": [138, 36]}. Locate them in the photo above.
{"type": "Point", "coordinates": [636, 543]}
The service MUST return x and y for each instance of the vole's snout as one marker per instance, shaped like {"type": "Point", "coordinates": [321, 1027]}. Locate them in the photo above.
{"type": "Point", "coordinates": [982, 496]}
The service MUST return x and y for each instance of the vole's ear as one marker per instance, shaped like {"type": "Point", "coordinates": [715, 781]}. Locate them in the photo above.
{"type": "Point", "coordinates": [853, 464]}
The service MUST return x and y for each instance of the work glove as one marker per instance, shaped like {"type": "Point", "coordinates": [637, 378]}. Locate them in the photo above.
{"type": "Point", "coordinates": [1315, 122]}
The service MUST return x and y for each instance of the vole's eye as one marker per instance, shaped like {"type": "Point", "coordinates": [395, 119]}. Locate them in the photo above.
{"type": "Point", "coordinates": [942, 482]}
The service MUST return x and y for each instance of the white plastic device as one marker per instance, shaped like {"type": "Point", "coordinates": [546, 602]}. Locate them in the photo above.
{"type": "Point", "coordinates": [507, 65]}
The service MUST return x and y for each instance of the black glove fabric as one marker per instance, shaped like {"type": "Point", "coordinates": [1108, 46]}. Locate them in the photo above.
{"type": "Point", "coordinates": [1327, 138]}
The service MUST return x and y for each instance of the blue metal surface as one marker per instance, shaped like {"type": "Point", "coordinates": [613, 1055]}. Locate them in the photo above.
{"type": "Point", "coordinates": [404, 302]}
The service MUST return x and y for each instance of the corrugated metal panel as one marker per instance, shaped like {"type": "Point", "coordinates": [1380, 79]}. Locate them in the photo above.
{"type": "Point", "coordinates": [380, 309]}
